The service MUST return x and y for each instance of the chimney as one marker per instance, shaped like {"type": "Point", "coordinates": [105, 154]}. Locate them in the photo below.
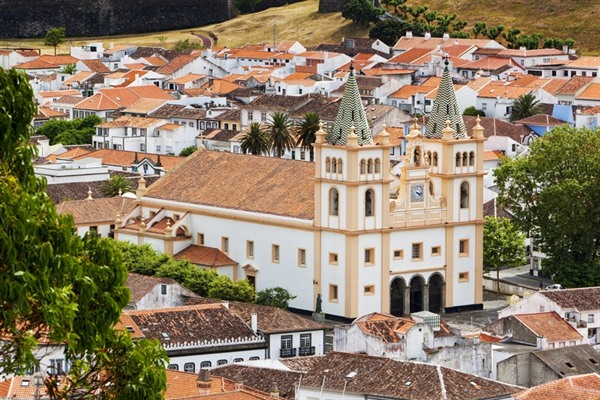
{"type": "Point", "coordinates": [445, 37]}
{"type": "Point", "coordinates": [274, 393]}
{"type": "Point", "coordinates": [427, 35]}
{"type": "Point", "coordinates": [203, 382]}
{"type": "Point", "coordinates": [254, 322]}
{"type": "Point", "coordinates": [408, 34]}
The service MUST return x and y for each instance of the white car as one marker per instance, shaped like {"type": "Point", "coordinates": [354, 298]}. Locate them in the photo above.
{"type": "Point", "coordinates": [556, 286]}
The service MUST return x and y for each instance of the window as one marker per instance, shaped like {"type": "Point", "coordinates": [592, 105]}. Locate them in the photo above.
{"type": "Point", "coordinates": [590, 318]}
{"type": "Point", "coordinates": [435, 159]}
{"type": "Point", "coordinates": [458, 162]}
{"type": "Point", "coordinates": [225, 244]}
{"type": "Point", "coordinates": [369, 290]}
{"type": "Point", "coordinates": [254, 358]}
{"type": "Point", "coordinates": [302, 257]}
{"type": "Point", "coordinates": [327, 164]}
{"type": "Point", "coordinates": [305, 340]}
{"type": "Point", "coordinates": [275, 253]}
{"type": "Point", "coordinates": [340, 164]}
{"type": "Point", "coordinates": [205, 364]}
{"type": "Point", "coordinates": [463, 247]}
{"type": "Point", "coordinates": [163, 289]}
{"type": "Point", "coordinates": [369, 195]}
{"type": "Point", "coordinates": [377, 165]}
{"type": "Point", "coordinates": [237, 360]}
{"type": "Point", "coordinates": [286, 342]}
{"type": "Point", "coordinates": [465, 159]}
{"type": "Point", "coordinates": [157, 148]}
{"type": "Point", "coordinates": [436, 251]}
{"type": "Point", "coordinates": [333, 293]}
{"type": "Point", "coordinates": [189, 367]}
{"type": "Point", "coordinates": [250, 249]}
{"type": "Point", "coordinates": [464, 195]}
{"type": "Point", "coordinates": [333, 202]}
{"type": "Point", "coordinates": [363, 166]}
{"type": "Point", "coordinates": [94, 230]}
{"type": "Point", "coordinates": [174, 367]}
{"type": "Point", "coordinates": [263, 117]}
{"type": "Point", "coordinates": [57, 367]}
{"type": "Point", "coordinates": [333, 258]}
{"type": "Point", "coordinates": [200, 239]}
{"type": "Point", "coordinates": [417, 252]}
{"type": "Point", "coordinates": [463, 277]}
{"type": "Point", "coordinates": [398, 254]}
{"type": "Point", "coordinates": [369, 256]}
{"type": "Point", "coordinates": [222, 362]}
{"type": "Point", "coordinates": [471, 159]}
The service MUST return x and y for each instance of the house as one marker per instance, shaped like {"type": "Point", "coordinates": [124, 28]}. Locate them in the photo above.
{"type": "Point", "coordinates": [541, 123]}
{"type": "Point", "coordinates": [531, 57]}
{"type": "Point", "coordinates": [497, 67]}
{"type": "Point", "coordinates": [11, 57]}
{"type": "Point", "coordinates": [210, 258]}
{"type": "Point", "coordinates": [330, 227]}
{"type": "Point", "coordinates": [580, 387]}
{"type": "Point", "coordinates": [531, 368]}
{"type": "Point", "coordinates": [197, 337]}
{"type": "Point", "coordinates": [581, 307]}
{"type": "Point", "coordinates": [68, 170]}
{"type": "Point", "coordinates": [262, 377]}
{"type": "Point", "coordinates": [219, 139]}
{"type": "Point", "coordinates": [421, 337]}
{"type": "Point", "coordinates": [150, 292]}
{"type": "Point", "coordinates": [428, 42]}
{"type": "Point", "coordinates": [587, 117]}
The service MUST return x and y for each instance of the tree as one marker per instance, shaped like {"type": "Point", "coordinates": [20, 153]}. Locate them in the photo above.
{"type": "Point", "coordinates": [196, 279]}
{"type": "Point", "coordinates": [525, 106]}
{"type": "Point", "coordinates": [274, 297]}
{"type": "Point", "coordinates": [389, 30]}
{"type": "Point", "coordinates": [77, 131]}
{"type": "Point", "coordinates": [308, 128]}
{"type": "Point", "coordinates": [117, 184]}
{"type": "Point", "coordinates": [493, 32]}
{"type": "Point", "coordinates": [511, 37]}
{"type": "Point", "coordinates": [473, 112]}
{"type": "Point", "coordinates": [255, 141]}
{"type": "Point", "coordinates": [553, 193]}
{"type": "Point", "coordinates": [185, 45]}
{"type": "Point", "coordinates": [54, 37]}
{"type": "Point", "coordinates": [52, 279]}
{"type": "Point", "coordinates": [69, 69]}
{"type": "Point", "coordinates": [362, 12]}
{"type": "Point", "coordinates": [280, 133]}
{"type": "Point", "coordinates": [503, 246]}
{"type": "Point", "coordinates": [479, 28]}
{"type": "Point", "coordinates": [188, 151]}
{"type": "Point", "coordinates": [224, 288]}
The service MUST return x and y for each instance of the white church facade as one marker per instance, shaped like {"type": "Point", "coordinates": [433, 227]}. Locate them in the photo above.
{"type": "Point", "coordinates": [336, 227]}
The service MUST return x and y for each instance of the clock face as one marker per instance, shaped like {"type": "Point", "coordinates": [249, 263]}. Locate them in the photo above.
{"type": "Point", "coordinates": [416, 192]}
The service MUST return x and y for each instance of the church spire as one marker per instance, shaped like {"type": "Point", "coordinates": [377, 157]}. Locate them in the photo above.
{"type": "Point", "coordinates": [445, 108]}
{"type": "Point", "coordinates": [350, 115]}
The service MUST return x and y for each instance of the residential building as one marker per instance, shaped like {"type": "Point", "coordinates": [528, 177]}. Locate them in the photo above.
{"type": "Point", "coordinates": [150, 292]}
{"type": "Point", "coordinates": [580, 387]}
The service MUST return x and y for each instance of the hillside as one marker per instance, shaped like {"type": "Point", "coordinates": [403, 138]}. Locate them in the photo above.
{"type": "Point", "coordinates": [301, 21]}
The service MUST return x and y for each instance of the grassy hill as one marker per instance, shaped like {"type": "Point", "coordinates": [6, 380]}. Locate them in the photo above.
{"type": "Point", "coordinates": [553, 18]}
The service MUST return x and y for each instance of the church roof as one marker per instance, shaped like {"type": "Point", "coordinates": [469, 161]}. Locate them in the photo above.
{"type": "Point", "coordinates": [351, 114]}
{"type": "Point", "coordinates": [445, 108]}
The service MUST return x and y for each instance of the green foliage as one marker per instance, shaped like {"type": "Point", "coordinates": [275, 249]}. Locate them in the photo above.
{"type": "Point", "coordinates": [256, 141]}
{"type": "Point", "coordinates": [503, 245]}
{"type": "Point", "coordinates": [553, 193]}
{"type": "Point", "coordinates": [196, 279]}
{"type": "Point", "coordinates": [224, 288]}
{"type": "Point", "coordinates": [116, 183]}
{"type": "Point", "coordinates": [492, 32]}
{"type": "Point", "coordinates": [77, 131]}
{"type": "Point", "coordinates": [69, 69]}
{"type": "Point", "coordinates": [362, 12]}
{"type": "Point", "coordinates": [52, 279]}
{"type": "Point", "coordinates": [390, 30]}
{"type": "Point", "coordinates": [473, 112]}
{"type": "Point", "coordinates": [280, 132]}
{"type": "Point", "coordinates": [188, 151]}
{"type": "Point", "coordinates": [141, 259]}
{"type": "Point", "coordinates": [480, 28]}
{"type": "Point", "coordinates": [307, 130]}
{"type": "Point", "coordinates": [530, 42]}
{"type": "Point", "coordinates": [274, 297]}
{"type": "Point", "coordinates": [185, 45]}
{"type": "Point", "coordinates": [54, 37]}
{"type": "Point", "coordinates": [525, 106]}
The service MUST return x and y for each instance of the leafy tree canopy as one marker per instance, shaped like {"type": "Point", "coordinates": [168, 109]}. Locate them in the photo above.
{"type": "Point", "coordinates": [255, 141]}
{"type": "Point", "coordinates": [77, 131]}
{"type": "Point", "coordinates": [553, 193]}
{"type": "Point", "coordinates": [361, 11]}
{"type": "Point", "coordinates": [224, 288]}
{"type": "Point", "coordinates": [275, 297]}
{"type": "Point", "coordinates": [51, 278]}
{"type": "Point", "coordinates": [473, 112]}
{"type": "Point", "coordinates": [525, 106]}
{"type": "Point", "coordinates": [188, 151]}
{"type": "Point", "coordinates": [503, 245]}
{"type": "Point", "coordinates": [184, 45]}
{"type": "Point", "coordinates": [117, 183]}
{"type": "Point", "coordinates": [54, 37]}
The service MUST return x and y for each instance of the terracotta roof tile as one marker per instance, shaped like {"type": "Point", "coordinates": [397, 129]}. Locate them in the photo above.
{"type": "Point", "coordinates": [128, 121]}
{"type": "Point", "coordinates": [550, 325]}
{"type": "Point", "coordinates": [221, 179]}
{"type": "Point", "coordinates": [261, 378]}
{"type": "Point", "coordinates": [177, 63]}
{"type": "Point", "coordinates": [574, 85]}
{"type": "Point", "coordinates": [585, 62]}
{"type": "Point", "coordinates": [581, 299]}
{"type": "Point", "coordinates": [96, 211]}
{"type": "Point", "coordinates": [541, 120]}
{"type": "Point", "coordinates": [205, 256]}
{"type": "Point", "coordinates": [581, 387]}
{"type": "Point", "coordinates": [61, 60]}
{"type": "Point", "coordinates": [591, 92]}
{"type": "Point", "coordinates": [187, 78]}
{"type": "Point", "coordinates": [409, 56]}
{"type": "Point", "coordinates": [96, 66]}
{"type": "Point", "coordinates": [140, 285]}
{"type": "Point", "coordinates": [124, 158]}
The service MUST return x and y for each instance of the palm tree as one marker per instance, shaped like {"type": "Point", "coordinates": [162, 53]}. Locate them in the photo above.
{"type": "Point", "coordinates": [280, 130]}
{"type": "Point", "coordinates": [255, 141]}
{"type": "Point", "coordinates": [525, 106]}
{"type": "Point", "coordinates": [117, 184]}
{"type": "Point", "coordinates": [307, 130]}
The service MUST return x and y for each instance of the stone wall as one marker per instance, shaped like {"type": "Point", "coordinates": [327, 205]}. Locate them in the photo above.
{"type": "Point", "coordinates": [22, 19]}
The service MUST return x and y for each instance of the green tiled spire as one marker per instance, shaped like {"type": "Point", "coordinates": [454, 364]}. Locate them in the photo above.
{"type": "Point", "coordinates": [351, 113]}
{"type": "Point", "coordinates": [445, 108]}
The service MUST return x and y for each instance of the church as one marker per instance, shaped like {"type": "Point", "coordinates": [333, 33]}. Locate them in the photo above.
{"type": "Point", "coordinates": [336, 227]}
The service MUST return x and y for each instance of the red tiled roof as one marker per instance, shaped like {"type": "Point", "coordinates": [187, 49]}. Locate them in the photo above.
{"type": "Point", "coordinates": [550, 325]}
{"type": "Point", "coordinates": [581, 387]}
{"type": "Point", "coordinates": [204, 255]}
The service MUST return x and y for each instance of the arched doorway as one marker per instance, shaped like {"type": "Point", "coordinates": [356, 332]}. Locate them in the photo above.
{"type": "Point", "coordinates": [397, 288]}
{"type": "Point", "coordinates": [436, 291]}
{"type": "Point", "coordinates": [416, 294]}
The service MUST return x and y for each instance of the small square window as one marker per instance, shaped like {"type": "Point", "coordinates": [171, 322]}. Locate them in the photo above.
{"type": "Point", "coordinates": [417, 251]}
{"type": "Point", "coordinates": [163, 289]}
{"type": "Point", "coordinates": [333, 293]}
{"type": "Point", "coordinates": [200, 239]}
{"type": "Point", "coordinates": [398, 254]}
{"type": "Point", "coordinates": [369, 256]}
{"type": "Point", "coordinates": [275, 253]}
{"type": "Point", "coordinates": [463, 247]}
{"type": "Point", "coordinates": [369, 290]}
{"type": "Point", "coordinates": [250, 249]}
{"type": "Point", "coordinates": [590, 318]}
{"type": "Point", "coordinates": [333, 258]}
{"type": "Point", "coordinates": [436, 250]}
{"type": "Point", "coordinates": [302, 257]}
{"type": "Point", "coordinates": [225, 244]}
{"type": "Point", "coordinates": [463, 277]}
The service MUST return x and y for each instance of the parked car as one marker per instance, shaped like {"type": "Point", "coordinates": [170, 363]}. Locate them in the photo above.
{"type": "Point", "coordinates": [556, 286]}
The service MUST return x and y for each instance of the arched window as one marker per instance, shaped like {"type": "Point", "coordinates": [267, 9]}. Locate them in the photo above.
{"type": "Point", "coordinates": [431, 189]}
{"type": "Point", "coordinates": [471, 159]}
{"type": "Point", "coordinates": [428, 158]}
{"type": "Point", "coordinates": [458, 159]}
{"type": "Point", "coordinates": [369, 195]}
{"type": "Point", "coordinates": [370, 166]}
{"type": "Point", "coordinates": [464, 195]}
{"type": "Point", "coordinates": [417, 156]}
{"type": "Point", "coordinates": [377, 165]}
{"type": "Point", "coordinates": [465, 159]}
{"type": "Point", "coordinates": [333, 202]}
{"type": "Point", "coordinates": [333, 165]}
{"type": "Point", "coordinates": [205, 364]}
{"type": "Point", "coordinates": [189, 367]}
{"type": "Point", "coordinates": [340, 164]}
{"type": "Point", "coordinates": [327, 165]}
{"type": "Point", "coordinates": [363, 167]}
{"type": "Point", "coordinates": [435, 159]}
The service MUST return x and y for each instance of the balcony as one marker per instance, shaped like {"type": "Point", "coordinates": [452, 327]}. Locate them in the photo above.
{"type": "Point", "coordinates": [283, 353]}
{"type": "Point", "coordinates": [306, 351]}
